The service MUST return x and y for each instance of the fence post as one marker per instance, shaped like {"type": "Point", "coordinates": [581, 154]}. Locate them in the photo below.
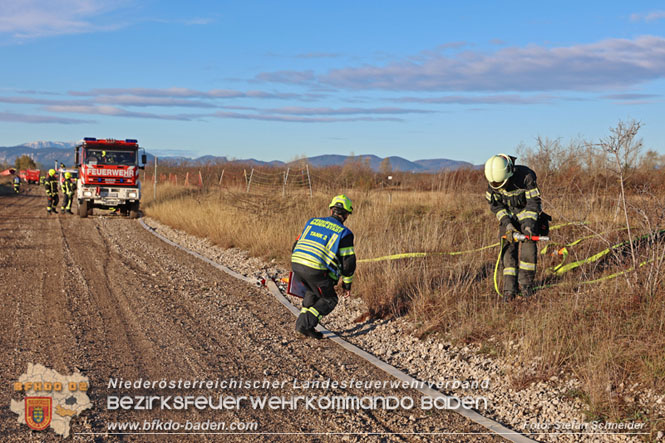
{"type": "Point", "coordinates": [154, 182]}
{"type": "Point", "coordinates": [309, 181]}
{"type": "Point", "coordinates": [286, 178]}
{"type": "Point", "coordinates": [200, 179]}
{"type": "Point", "coordinates": [249, 182]}
{"type": "Point", "coordinates": [221, 177]}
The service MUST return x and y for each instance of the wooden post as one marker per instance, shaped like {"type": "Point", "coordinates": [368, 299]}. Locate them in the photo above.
{"type": "Point", "coordinates": [309, 181]}
{"type": "Point", "coordinates": [154, 182]}
{"type": "Point", "coordinates": [286, 178]}
{"type": "Point", "coordinates": [249, 182]}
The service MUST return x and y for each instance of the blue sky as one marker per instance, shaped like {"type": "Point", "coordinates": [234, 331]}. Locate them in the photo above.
{"type": "Point", "coordinates": [275, 80]}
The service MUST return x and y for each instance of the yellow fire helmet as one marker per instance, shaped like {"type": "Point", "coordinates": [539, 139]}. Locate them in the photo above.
{"type": "Point", "coordinates": [343, 202]}
{"type": "Point", "coordinates": [68, 175]}
{"type": "Point", "coordinates": [498, 169]}
{"type": "Point", "coordinates": [51, 172]}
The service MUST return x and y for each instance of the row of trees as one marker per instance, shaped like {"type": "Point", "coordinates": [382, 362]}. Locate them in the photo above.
{"type": "Point", "coordinates": [24, 162]}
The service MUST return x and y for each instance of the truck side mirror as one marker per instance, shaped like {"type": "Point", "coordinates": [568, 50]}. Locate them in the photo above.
{"type": "Point", "coordinates": [144, 159]}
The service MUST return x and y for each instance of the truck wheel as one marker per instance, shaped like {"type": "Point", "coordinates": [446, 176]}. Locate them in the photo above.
{"type": "Point", "coordinates": [83, 208]}
{"type": "Point", "coordinates": [134, 210]}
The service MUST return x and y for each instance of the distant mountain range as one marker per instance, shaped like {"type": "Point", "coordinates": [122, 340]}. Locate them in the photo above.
{"type": "Point", "coordinates": [47, 152]}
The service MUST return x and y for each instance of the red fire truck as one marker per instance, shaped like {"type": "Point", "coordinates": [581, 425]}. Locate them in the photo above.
{"type": "Point", "coordinates": [109, 175]}
{"type": "Point", "coordinates": [29, 175]}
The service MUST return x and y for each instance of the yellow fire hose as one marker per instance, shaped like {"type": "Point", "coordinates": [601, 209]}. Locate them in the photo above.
{"type": "Point", "coordinates": [560, 269]}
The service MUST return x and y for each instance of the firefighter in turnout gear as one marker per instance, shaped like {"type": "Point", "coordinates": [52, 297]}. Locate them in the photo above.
{"type": "Point", "coordinates": [68, 187]}
{"type": "Point", "coordinates": [321, 256]}
{"type": "Point", "coordinates": [51, 186]}
{"type": "Point", "coordinates": [514, 198]}
{"type": "Point", "coordinates": [17, 184]}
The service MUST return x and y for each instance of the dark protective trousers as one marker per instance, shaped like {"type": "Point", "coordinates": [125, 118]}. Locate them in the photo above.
{"type": "Point", "coordinates": [52, 202]}
{"type": "Point", "coordinates": [320, 298]}
{"type": "Point", "coordinates": [67, 202]}
{"type": "Point", "coordinates": [519, 266]}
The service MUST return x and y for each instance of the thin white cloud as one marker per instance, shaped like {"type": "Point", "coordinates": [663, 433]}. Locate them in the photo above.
{"type": "Point", "coordinates": [648, 16]}
{"type": "Point", "coordinates": [117, 112]}
{"type": "Point", "coordinates": [38, 18]}
{"type": "Point", "coordinates": [186, 93]}
{"type": "Point", "coordinates": [612, 63]}
{"type": "Point", "coordinates": [631, 96]}
{"type": "Point", "coordinates": [199, 21]}
{"type": "Point", "coordinates": [133, 100]}
{"type": "Point", "coordinates": [31, 118]}
{"type": "Point", "coordinates": [39, 101]}
{"type": "Point", "coordinates": [297, 110]}
{"type": "Point", "coordinates": [501, 99]}
{"type": "Point", "coordinates": [299, 119]}
{"type": "Point", "coordinates": [287, 76]}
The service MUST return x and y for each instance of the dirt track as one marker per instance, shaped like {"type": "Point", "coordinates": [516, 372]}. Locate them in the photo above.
{"type": "Point", "coordinates": [105, 297]}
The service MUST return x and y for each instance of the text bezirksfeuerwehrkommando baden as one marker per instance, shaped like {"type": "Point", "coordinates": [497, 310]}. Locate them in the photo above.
{"type": "Point", "coordinates": [177, 401]}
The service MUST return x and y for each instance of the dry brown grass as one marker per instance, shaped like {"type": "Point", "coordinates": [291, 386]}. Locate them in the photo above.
{"type": "Point", "coordinates": [610, 334]}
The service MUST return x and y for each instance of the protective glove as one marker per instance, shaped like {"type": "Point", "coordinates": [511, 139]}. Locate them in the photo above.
{"type": "Point", "coordinates": [528, 230]}
{"type": "Point", "coordinates": [510, 230]}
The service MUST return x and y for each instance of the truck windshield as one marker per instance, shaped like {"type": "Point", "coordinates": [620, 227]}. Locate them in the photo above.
{"type": "Point", "coordinates": [102, 157]}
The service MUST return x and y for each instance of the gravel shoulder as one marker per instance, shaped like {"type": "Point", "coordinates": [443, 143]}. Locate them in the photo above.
{"type": "Point", "coordinates": [103, 297]}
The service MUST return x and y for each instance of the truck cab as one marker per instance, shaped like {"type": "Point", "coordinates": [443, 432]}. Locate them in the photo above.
{"type": "Point", "coordinates": [108, 175]}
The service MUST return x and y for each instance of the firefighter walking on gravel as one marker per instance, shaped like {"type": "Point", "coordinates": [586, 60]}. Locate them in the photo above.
{"type": "Point", "coordinates": [514, 198]}
{"type": "Point", "coordinates": [67, 193]}
{"type": "Point", "coordinates": [51, 186]}
{"type": "Point", "coordinates": [321, 256]}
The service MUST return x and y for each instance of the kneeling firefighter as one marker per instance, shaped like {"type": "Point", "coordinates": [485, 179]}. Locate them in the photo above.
{"type": "Point", "coordinates": [322, 254]}
{"type": "Point", "coordinates": [514, 198]}
{"type": "Point", "coordinates": [51, 186]}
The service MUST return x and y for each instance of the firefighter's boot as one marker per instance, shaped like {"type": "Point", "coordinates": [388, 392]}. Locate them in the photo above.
{"type": "Point", "coordinates": [311, 332]}
{"type": "Point", "coordinates": [508, 297]}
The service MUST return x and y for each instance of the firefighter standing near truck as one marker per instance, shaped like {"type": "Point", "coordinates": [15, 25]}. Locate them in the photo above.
{"type": "Point", "coordinates": [51, 186]}
{"type": "Point", "coordinates": [514, 198]}
{"type": "Point", "coordinates": [17, 183]}
{"type": "Point", "coordinates": [321, 256]}
{"type": "Point", "coordinates": [68, 187]}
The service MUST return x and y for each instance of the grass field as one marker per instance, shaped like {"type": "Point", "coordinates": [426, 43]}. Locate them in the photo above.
{"type": "Point", "coordinates": [609, 333]}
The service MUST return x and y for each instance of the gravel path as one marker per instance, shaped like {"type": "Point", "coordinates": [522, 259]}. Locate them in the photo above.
{"type": "Point", "coordinates": [103, 297]}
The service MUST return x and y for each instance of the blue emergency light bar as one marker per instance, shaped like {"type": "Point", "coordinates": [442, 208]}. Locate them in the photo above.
{"type": "Point", "coordinates": [131, 140]}
{"type": "Point", "coordinates": [89, 139]}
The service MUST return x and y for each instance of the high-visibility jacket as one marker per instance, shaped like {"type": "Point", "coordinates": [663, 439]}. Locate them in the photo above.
{"type": "Point", "coordinates": [326, 244]}
{"type": "Point", "coordinates": [518, 201]}
{"type": "Point", "coordinates": [68, 187]}
{"type": "Point", "coordinates": [51, 186]}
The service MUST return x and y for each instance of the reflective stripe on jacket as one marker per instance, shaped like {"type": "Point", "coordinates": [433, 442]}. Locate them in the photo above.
{"type": "Point", "coordinates": [518, 200]}
{"type": "Point", "coordinates": [51, 186]}
{"type": "Point", "coordinates": [326, 244]}
{"type": "Point", "coordinates": [68, 187]}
